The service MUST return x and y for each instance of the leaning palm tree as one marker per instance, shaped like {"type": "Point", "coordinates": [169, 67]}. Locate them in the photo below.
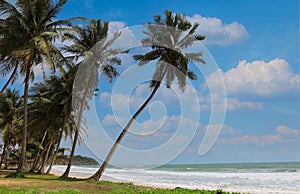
{"type": "Point", "coordinates": [91, 44]}
{"type": "Point", "coordinates": [51, 102]}
{"type": "Point", "coordinates": [167, 38]}
{"type": "Point", "coordinates": [27, 33]}
{"type": "Point", "coordinates": [62, 99]}
{"type": "Point", "coordinates": [9, 114]}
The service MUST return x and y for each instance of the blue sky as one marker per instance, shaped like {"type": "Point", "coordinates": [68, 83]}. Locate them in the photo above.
{"type": "Point", "coordinates": [256, 46]}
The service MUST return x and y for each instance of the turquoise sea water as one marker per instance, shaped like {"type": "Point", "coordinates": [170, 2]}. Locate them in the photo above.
{"type": "Point", "coordinates": [263, 167]}
{"type": "Point", "coordinates": [279, 177]}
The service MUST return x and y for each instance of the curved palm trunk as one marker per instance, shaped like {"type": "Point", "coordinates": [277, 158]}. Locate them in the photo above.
{"type": "Point", "coordinates": [66, 173]}
{"type": "Point", "coordinates": [24, 134]}
{"type": "Point", "coordinates": [9, 80]}
{"type": "Point", "coordinates": [42, 168]}
{"type": "Point", "coordinates": [3, 157]}
{"type": "Point", "coordinates": [78, 124]}
{"type": "Point", "coordinates": [56, 151]}
{"type": "Point", "coordinates": [36, 160]}
{"type": "Point", "coordinates": [102, 168]}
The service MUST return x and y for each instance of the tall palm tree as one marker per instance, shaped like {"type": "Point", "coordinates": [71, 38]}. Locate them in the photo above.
{"type": "Point", "coordinates": [92, 44]}
{"type": "Point", "coordinates": [9, 115]}
{"type": "Point", "coordinates": [27, 33]}
{"type": "Point", "coordinates": [167, 38]}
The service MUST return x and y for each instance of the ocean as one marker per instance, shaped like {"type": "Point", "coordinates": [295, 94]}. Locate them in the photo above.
{"type": "Point", "coordinates": [262, 178]}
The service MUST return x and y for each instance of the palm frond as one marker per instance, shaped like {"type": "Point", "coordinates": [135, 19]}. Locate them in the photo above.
{"type": "Point", "coordinates": [195, 57]}
{"type": "Point", "coordinates": [168, 38]}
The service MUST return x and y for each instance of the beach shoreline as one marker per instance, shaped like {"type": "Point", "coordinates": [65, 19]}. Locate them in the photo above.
{"type": "Point", "coordinates": [36, 183]}
{"type": "Point", "coordinates": [111, 179]}
{"type": "Point", "coordinates": [266, 181]}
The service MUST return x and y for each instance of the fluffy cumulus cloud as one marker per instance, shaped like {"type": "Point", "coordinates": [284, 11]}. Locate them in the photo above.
{"type": "Point", "coordinates": [259, 78]}
{"type": "Point", "coordinates": [218, 33]}
{"type": "Point", "coordinates": [284, 130]}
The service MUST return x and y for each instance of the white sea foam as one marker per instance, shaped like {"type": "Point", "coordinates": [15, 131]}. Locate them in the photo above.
{"type": "Point", "coordinates": [247, 182]}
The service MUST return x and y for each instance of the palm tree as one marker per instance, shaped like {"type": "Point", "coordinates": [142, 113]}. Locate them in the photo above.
{"type": "Point", "coordinates": [67, 130]}
{"type": "Point", "coordinates": [51, 102]}
{"type": "Point", "coordinates": [167, 38]}
{"type": "Point", "coordinates": [27, 33]}
{"type": "Point", "coordinates": [9, 115]}
{"type": "Point", "coordinates": [90, 43]}
{"type": "Point", "coordinates": [62, 99]}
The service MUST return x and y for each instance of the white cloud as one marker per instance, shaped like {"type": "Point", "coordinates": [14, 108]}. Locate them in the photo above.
{"type": "Point", "coordinates": [114, 26]}
{"type": "Point", "coordinates": [111, 120]}
{"type": "Point", "coordinates": [128, 38]}
{"type": "Point", "coordinates": [149, 127]}
{"type": "Point", "coordinates": [122, 101]}
{"type": "Point", "coordinates": [105, 98]}
{"type": "Point", "coordinates": [252, 139]}
{"type": "Point", "coordinates": [259, 78]}
{"type": "Point", "coordinates": [284, 130]}
{"type": "Point", "coordinates": [38, 72]}
{"type": "Point", "coordinates": [226, 131]}
{"type": "Point", "coordinates": [218, 33]}
{"type": "Point", "coordinates": [230, 136]}
{"type": "Point", "coordinates": [231, 104]}
{"type": "Point", "coordinates": [235, 104]}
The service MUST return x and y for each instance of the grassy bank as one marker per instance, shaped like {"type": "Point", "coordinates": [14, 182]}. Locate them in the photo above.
{"type": "Point", "coordinates": [50, 184]}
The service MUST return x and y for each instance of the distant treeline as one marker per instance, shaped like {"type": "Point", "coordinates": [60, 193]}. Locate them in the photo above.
{"type": "Point", "coordinates": [77, 160]}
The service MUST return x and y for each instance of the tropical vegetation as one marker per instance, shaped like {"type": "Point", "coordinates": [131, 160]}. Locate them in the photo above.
{"type": "Point", "coordinates": [28, 32]}
{"type": "Point", "coordinates": [34, 124]}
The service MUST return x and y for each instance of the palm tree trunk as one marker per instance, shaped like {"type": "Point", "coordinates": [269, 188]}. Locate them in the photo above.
{"type": "Point", "coordinates": [8, 145]}
{"type": "Point", "coordinates": [24, 134]}
{"type": "Point", "coordinates": [102, 168]}
{"type": "Point", "coordinates": [9, 80]}
{"type": "Point", "coordinates": [3, 154]}
{"type": "Point", "coordinates": [66, 173]}
{"type": "Point", "coordinates": [36, 160]}
{"type": "Point", "coordinates": [78, 124]}
{"type": "Point", "coordinates": [7, 154]}
{"type": "Point", "coordinates": [42, 168]}
{"type": "Point", "coordinates": [56, 151]}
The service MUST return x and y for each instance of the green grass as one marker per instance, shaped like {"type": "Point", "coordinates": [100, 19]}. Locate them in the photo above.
{"type": "Point", "coordinates": [15, 175]}
{"type": "Point", "coordinates": [50, 184]}
{"type": "Point", "coordinates": [35, 191]}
